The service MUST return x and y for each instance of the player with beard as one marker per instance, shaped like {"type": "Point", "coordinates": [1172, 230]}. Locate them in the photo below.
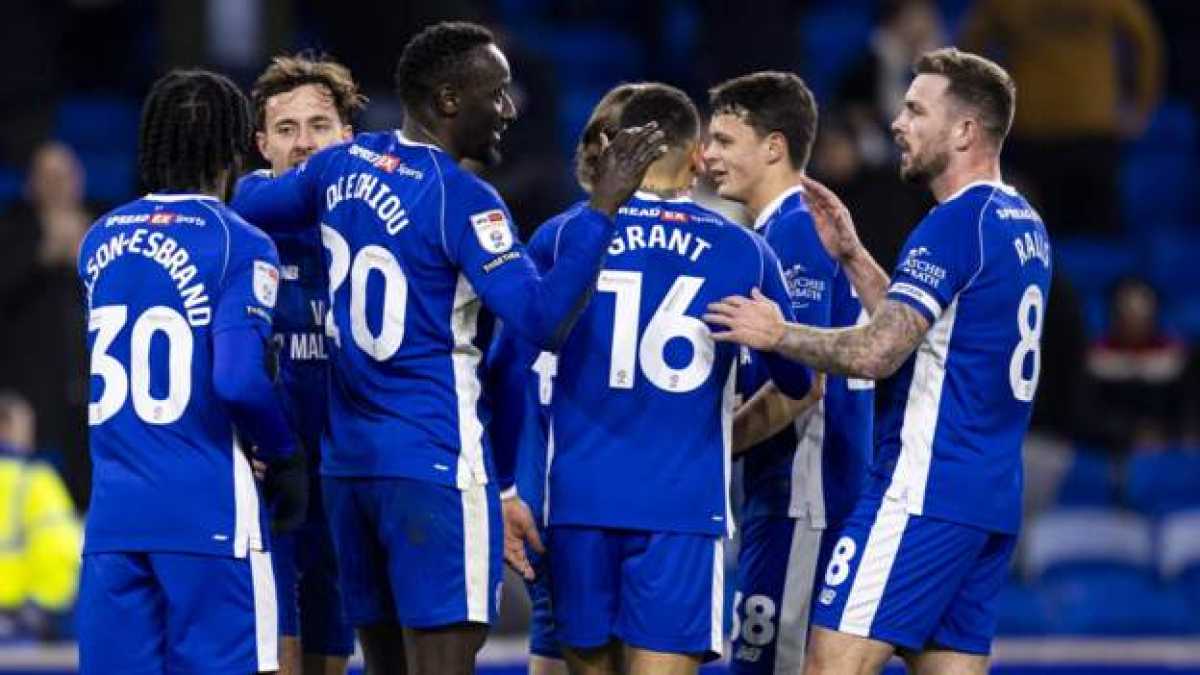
{"type": "Point", "coordinates": [417, 248]}
{"type": "Point", "coordinates": [302, 104]}
{"type": "Point", "coordinates": [917, 566]}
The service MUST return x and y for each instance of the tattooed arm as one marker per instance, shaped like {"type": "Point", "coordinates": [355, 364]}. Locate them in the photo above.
{"type": "Point", "coordinates": [872, 351]}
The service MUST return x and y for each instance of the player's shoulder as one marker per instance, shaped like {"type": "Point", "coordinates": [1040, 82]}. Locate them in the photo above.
{"type": "Point", "coordinates": [243, 238]}
{"type": "Point", "coordinates": [969, 205]}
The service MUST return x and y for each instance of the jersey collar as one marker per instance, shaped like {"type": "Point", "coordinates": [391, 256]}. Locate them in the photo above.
{"type": "Point", "coordinates": [999, 185]}
{"type": "Point", "coordinates": [651, 197]}
{"type": "Point", "coordinates": [177, 197]}
{"type": "Point", "coordinates": [405, 140]}
{"type": "Point", "coordinates": [771, 208]}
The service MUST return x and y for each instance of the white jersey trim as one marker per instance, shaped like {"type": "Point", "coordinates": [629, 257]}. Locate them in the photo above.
{"type": "Point", "coordinates": [728, 399]}
{"type": "Point", "coordinates": [808, 480]}
{"type": "Point", "coordinates": [921, 411]}
{"type": "Point", "coordinates": [770, 209]}
{"type": "Point", "coordinates": [182, 197]}
{"type": "Point", "coordinates": [717, 599]}
{"type": "Point", "coordinates": [475, 552]}
{"type": "Point", "coordinates": [247, 530]}
{"type": "Point", "coordinates": [795, 606]}
{"type": "Point", "coordinates": [874, 568]}
{"type": "Point", "coordinates": [466, 357]}
{"type": "Point", "coordinates": [266, 611]}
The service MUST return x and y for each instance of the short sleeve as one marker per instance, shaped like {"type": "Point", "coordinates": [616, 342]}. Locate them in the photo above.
{"type": "Point", "coordinates": [251, 282]}
{"type": "Point", "coordinates": [287, 202]}
{"type": "Point", "coordinates": [938, 260]}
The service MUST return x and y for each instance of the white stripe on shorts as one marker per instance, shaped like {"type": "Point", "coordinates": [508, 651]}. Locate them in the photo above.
{"type": "Point", "coordinates": [266, 613]}
{"type": "Point", "coordinates": [475, 552]}
{"type": "Point", "coordinates": [874, 568]}
{"type": "Point", "coordinates": [796, 603]}
{"type": "Point", "coordinates": [717, 643]}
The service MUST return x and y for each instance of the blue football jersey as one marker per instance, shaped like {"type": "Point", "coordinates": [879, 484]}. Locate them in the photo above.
{"type": "Point", "coordinates": [643, 398]}
{"type": "Point", "coordinates": [416, 247]}
{"type": "Point", "coordinates": [299, 332]}
{"type": "Point", "coordinates": [814, 468]}
{"type": "Point", "coordinates": [521, 386]}
{"type": "Point", "coordinates": [163, 275]}
{"type": "Point", "coordinates": [949, 437]}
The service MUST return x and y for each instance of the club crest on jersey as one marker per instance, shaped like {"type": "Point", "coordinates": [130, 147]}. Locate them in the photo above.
{"type": "Point", "coordinates": [266, 283]}
{"type": "Point", "coordinates": [492, 231]}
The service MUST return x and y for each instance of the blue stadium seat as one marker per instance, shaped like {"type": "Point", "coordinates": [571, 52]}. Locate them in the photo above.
{"type": "Point", "coordinates": [1159, 187]}
{"type": "Point", "coordinates": [1094, 265]}
{"type": "Point", "coordinates": [1179, 560]}
{"type": "Point", "coordinates": [1020, 610]}
{"type": "Point", "coordinates": [1089, 482]}
{"type": "Point", "coordinates": [11, 184]}
{"type": "Point", "coordinates": [1172, 127]}
{"type": "Point", "coordinates": [834, 35]}
{"type": "Point", "coordinates": [1093, 570]}
{"type": "Point", "coordinates": [1161, 483]}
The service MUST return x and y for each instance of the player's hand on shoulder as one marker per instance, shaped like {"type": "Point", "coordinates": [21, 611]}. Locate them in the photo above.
{"type": "Point", "coordinates": [832, 219]}
{"type": "Point", "coordinates": [622, 165]}
{"type": "Point", "coordinates": [285, 488]}
{"type": "Point", "coordinates": [756, 322]}
{"type": "Point", "coordinates": [519, 530]}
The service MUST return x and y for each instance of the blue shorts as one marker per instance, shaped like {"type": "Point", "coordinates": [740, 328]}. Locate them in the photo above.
{"type": "Point", "coordinates": [310, 601]}
{"type": "Point", "coordinates": [178, 613]}
{"type": "Point", "coordinates": [777, 567]}
{"type": "Point", "coordinates": [913, 581]}
{"type": "Point", "coordinates": [422, 554]}
{"type": "Point", "coordinates": [542, 640]}
{"type": "Point", "coordinates": [659, 591]}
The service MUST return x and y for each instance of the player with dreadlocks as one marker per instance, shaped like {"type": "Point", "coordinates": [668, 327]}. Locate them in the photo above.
{"type": "Point", "coordinates": [176, 575]}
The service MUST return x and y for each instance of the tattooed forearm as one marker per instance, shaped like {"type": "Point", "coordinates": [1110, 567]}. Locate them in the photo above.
{"type": "Point", "coordinates": [873, 351]}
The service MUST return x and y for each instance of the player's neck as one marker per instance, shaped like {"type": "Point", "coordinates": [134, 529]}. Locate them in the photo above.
{"type": "Point", "coordinates": [414, 130]}
{"type": "Point", "coordinates": [666, 182]}
{"type": "Point", "coordinates": [955, 178]}
{"type": "Point", "coordinates": [768, 189]}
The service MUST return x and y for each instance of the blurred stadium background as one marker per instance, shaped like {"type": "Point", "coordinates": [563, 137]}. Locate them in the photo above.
{"type": "Point", "coordinates": [1105, 145]}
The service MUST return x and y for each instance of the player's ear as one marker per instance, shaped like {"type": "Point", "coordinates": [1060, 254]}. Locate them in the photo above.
{"type": "Point", "coordinates": [965, 132]}
{"type": "Point", "coordinates": [776, 147]}
{"type": "Point", "coordinates": [445, 101]}
{"type": "Point", "coordinates": [260, 140]}
{"type": "Point", "coordinates": [347, 132]}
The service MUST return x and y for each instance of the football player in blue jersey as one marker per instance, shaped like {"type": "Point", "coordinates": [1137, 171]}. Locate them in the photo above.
{"type": "Point", "coordinates": [918, 564]}
{"type": "Point", "coordinates": [641, 419]}
{"type": "Point", "coordinates": [302, 104]}
{"type": "Point", "coordinates": [180, 291]}
{"type": "Point", "coordinates": [417, 247]}
{"type": "Point", "coordinates": [802, 480]}
{"type": "Point", "coordinates": [521, 384]}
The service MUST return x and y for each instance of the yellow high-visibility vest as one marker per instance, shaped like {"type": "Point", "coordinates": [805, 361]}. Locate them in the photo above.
{"type": "Point", "coordinates": [40, 537]}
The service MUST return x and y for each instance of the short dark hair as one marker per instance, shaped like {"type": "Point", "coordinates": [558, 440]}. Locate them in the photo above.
{"type": "Point", "coordinates": [195, 124]}
{"type": "Point", "coordinates": [769, 102]}
{"type": "Point", "coordinates": [605, 119]}
{"type": "Point", "coordinates": [674, 111]}
{"type": "Point", "coordinates": [976, 82]}
{"type": "Point", "coordinates": [288, 72]}
{"type": "Point", "coordinates": [437, 55]}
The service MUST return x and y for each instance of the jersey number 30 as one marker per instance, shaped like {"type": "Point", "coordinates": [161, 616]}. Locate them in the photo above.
{"type": "Point", "coordinates": [108, 321]}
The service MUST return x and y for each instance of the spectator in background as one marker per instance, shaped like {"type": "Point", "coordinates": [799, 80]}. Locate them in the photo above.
{"type": "Point", "coordinates": [883, 206]}
{"type": "Point", "coordinates": [45, 360]}
{"type": "Point", "coordinates": [1138, 372]}
{"type": "Point", "coordinates": [873, 91]}
{"type": "Point", "coordinates": [40, 535]}
{"type": "Point", "coordinates": [1066, 57]}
